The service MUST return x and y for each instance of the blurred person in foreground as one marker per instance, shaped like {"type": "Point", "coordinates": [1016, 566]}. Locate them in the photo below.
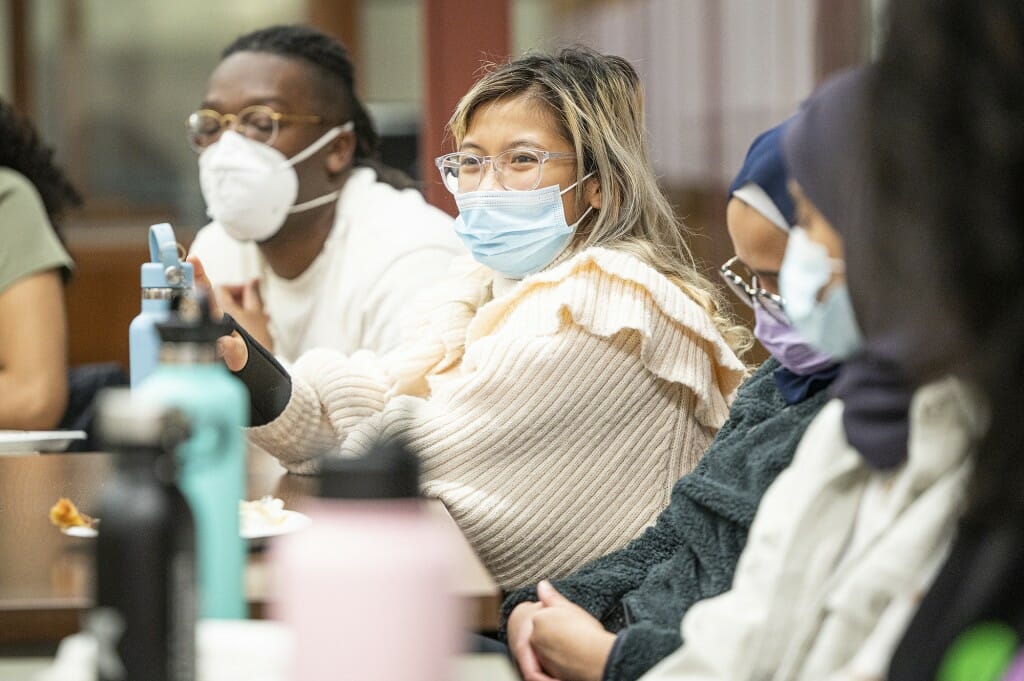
{"type": "Point", "coordinates": [948, 140]}
{"type": "Point", "coordinates": [314, 243]}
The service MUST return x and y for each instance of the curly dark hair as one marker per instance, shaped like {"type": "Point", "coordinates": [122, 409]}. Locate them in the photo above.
{"type": "Point", "coordinates": [330, 62]}
{"type": "Point", "coordinates": [948, 183]}
{"type": "Point", "coordinates": [22, 149]}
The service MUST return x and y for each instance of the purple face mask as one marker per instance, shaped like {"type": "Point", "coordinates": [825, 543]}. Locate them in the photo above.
{"type": "Point", "coordinates": [785, 344]}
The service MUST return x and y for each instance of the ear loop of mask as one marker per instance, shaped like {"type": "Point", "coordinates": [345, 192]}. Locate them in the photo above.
{"type": "Point", "coordinates": [574, 226]}
{"type": "Point", "coordinates": [583, 179]}
{"type": "Point", "coordinates": [316, 146]}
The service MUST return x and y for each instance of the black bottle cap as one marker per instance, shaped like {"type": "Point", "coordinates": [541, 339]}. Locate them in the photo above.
{"type": "Point", "coordinates": [190, 320]}
{"type": "Point", "coordinates": [388, 471]}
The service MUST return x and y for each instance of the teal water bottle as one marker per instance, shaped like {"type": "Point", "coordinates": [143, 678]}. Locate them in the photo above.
{"type": "Point", "coordinates": [161, 278]}
{"type": "Point", "coordinates": [212, 461]}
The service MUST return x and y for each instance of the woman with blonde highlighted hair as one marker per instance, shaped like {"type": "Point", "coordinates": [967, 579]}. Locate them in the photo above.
{"type": "Point", "coordinates": [558, 387]}
{"type": "Point", "coordinates": [597, 102]}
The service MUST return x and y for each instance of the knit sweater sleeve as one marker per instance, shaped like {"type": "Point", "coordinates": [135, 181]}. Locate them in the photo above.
{"type": "Point", "coordinates": [578, 398]}
{"type": "Point", "coordinates": [361, 383]}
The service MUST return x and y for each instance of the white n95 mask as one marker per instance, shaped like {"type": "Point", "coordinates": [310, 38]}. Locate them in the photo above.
{"type": "Point", "coordinates": [250, 187]}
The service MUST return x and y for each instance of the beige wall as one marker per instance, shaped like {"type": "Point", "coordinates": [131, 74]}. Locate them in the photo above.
{"type": "Point", "coordinates": [391, 44]}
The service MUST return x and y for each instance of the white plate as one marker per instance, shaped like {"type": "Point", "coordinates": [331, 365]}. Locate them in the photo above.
{"type": "Point", "coordinates": [290, 522]}
{"type": "Point", "coordinates": [79, 531]}
{"type": "Point", "coordinates": [27, 441]}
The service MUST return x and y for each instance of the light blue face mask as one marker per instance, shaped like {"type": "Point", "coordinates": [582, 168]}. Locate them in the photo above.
{"type": "Point", "coordinates": [828, 325]}
{"type": "Point", "coordinates": [515, 233]}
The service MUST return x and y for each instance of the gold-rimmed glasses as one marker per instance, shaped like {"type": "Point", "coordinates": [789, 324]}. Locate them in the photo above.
{"type": "Point", "coordinates": [750, 292]}
{"type": "Point", "coordinates": [258, 122]}
{"type": "Point", "coordinates": [514, 169]}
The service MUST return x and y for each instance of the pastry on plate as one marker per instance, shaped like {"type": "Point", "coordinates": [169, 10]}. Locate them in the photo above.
{"type": "Point", "coordinates": [64, 514]}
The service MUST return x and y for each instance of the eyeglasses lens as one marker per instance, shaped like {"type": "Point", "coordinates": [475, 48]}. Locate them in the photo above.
{"type": "Point", "coordinates": [515, 169]}
{"type": "Point", "coordinates": [203, 129]}
{"type": "Point", "coordinates": [257, 123]}
{"type": "Point", "coordinates": [773, 306]}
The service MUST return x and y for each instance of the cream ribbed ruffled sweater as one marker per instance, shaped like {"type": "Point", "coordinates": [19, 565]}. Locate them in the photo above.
{"type": "Point", "coordinates": [552, 419]}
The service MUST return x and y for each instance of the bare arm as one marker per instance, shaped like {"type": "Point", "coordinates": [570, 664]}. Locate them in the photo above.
{"type": "Point", "coordinates": [33, 353]}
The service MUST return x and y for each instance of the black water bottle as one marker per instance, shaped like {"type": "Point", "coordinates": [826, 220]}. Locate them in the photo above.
{"type": "Point", "coordinates": [145, 612]}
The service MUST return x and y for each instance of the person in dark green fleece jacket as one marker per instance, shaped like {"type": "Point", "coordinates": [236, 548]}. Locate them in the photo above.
{"type": "Point", "coordinates": [619, 615]}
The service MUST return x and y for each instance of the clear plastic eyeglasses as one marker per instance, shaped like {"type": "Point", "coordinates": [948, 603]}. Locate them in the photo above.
{"type": "Point", "coordinates": [752, 294]}
{"type": "Point", "coordinates": [515, 169]}
{"type": "Point", "coordinates": [259, 122]}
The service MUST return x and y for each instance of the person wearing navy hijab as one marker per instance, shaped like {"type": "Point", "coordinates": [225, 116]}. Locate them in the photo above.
{"type": "Point", "coordinates": [760, 215]}
{"type": "Point", "coordinates": [619, 615]}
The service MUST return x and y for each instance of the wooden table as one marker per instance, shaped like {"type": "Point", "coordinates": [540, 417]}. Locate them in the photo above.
{"type": "Point", "coordinates": [46, 576]}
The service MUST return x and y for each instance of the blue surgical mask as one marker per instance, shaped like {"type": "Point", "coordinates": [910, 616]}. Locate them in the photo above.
{"type": "Point", "coordinates": [828, 325]}
{"type": "Point", "coordinates": [515, 233]}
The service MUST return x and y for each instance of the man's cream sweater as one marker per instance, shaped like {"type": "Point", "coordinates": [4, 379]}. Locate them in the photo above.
{"type": "Point", "coordinates": [552, 419]}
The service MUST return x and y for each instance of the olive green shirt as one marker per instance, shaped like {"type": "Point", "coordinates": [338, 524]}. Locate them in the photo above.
{"type": "Point", "coordinates": [28, 243]}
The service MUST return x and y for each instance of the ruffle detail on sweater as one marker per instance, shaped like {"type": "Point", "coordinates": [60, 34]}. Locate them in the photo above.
{"type": "Point", "coordinates": [436, 339]}
{"type": "Point", "coordinates": [605, 292]}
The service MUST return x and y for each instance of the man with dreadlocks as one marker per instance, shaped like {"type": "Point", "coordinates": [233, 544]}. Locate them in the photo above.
{"type": "Point", "coordinates": [314, 243]}
{"type": "Point", "coordinates": [33, 265]}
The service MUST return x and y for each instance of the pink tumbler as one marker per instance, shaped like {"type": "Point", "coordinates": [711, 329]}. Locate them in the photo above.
{"type": "Point", "coordinates": [368, 588]}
